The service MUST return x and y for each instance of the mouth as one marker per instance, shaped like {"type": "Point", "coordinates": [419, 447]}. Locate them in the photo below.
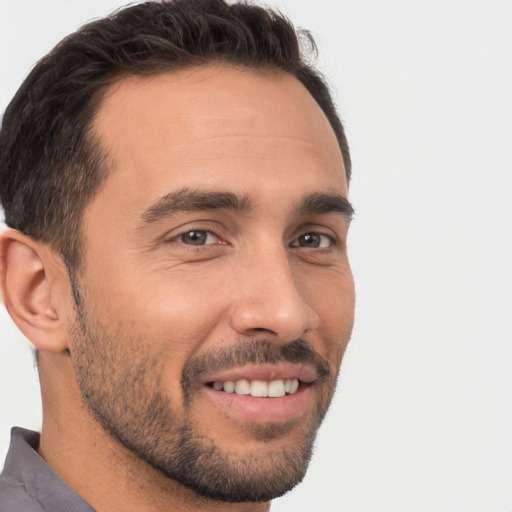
{"type": "Point", "coordinates": [263, 394]}
{"type": "Point", "coordinates": [257, 388]}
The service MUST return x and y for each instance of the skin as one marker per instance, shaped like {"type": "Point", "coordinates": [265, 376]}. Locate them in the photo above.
{"type": "Point", "coordinates": [151, 296]}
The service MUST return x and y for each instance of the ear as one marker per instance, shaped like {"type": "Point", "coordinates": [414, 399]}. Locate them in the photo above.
{"type": "Point", "coordinates": [28, 281]}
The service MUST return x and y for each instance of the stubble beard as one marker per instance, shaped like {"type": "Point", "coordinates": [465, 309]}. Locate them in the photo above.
{"type": "Point", "coordinates": [121, 386]}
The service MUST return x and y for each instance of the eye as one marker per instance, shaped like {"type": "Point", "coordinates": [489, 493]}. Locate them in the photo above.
{"type": "Point", "coordinates": [313, 241]}
{"type": "Point", "coordinates": [197, 237]}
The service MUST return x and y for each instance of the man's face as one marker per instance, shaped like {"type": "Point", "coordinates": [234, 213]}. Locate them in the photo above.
{"type": "Point", "coordinates": [215, 259]}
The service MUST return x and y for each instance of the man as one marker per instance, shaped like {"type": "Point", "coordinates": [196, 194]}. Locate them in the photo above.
{"type": "Point", "coordinates": [174, 178]}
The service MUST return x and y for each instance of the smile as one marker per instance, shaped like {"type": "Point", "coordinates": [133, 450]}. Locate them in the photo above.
{"type": "Point", "coordinates": [263, 393]}
{"type": "Point", "coordinates": [258, 388]}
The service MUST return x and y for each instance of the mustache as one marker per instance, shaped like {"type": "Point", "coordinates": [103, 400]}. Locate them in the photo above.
{"type": "Point", "coordinates": [255, 352]}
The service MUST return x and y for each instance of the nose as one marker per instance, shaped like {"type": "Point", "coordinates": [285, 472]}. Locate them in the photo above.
{"type": "Point", "coordinates": [269, 300]}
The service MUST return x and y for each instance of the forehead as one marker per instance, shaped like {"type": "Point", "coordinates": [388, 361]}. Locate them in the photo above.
{"type": "Point", "coordinates": [215, 127]}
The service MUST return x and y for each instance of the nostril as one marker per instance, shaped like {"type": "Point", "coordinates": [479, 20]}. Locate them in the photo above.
{"type": "Point", "coordinates": [262, 329]}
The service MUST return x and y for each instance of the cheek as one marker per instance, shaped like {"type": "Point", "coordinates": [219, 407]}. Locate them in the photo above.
{"type": "Point", "coordinates": [176, 311]}
{"type": "Point", "coordinates": [333, 299]}
{"type": "Point", "coordinates": [186, 308]}
{"type": "Point", "coordinates": [167, 315]}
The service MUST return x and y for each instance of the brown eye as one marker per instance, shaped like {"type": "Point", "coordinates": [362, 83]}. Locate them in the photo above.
{"type": "Point", "coordinates": [197, 237]}
{"type": "Point", "coordinates": [313, 241]}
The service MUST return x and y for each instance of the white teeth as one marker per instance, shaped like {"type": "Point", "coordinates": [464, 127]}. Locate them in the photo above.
{"type": "Point", "coordinates": [291, 385]}
{"type": "Point", "coordinates": [259, 388]}
{"type": "Point", "coordinates": [294, 386]}
{"type": "Point", "coordinates": [276, 388]}
{"type": "Point", "coordinates": [242, 387]}
{"type": "Point", "coordinates": [229, 386]}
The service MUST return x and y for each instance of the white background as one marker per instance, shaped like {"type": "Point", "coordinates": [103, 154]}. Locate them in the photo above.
{"type": "Point", "coordinates": [422, 421]}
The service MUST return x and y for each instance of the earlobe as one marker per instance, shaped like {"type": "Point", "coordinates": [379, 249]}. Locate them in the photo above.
{"type": "Point", "coordinates": [27, 291]}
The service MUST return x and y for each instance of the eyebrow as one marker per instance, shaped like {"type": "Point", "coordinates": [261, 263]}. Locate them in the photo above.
{"type": "Point", "coordinates": [320, 203]}
{"type": "Point", "coordinates": [188, 200]}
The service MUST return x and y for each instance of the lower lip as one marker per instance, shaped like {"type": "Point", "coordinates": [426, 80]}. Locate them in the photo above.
{"type": "Point", "coordinates": [263, 410]}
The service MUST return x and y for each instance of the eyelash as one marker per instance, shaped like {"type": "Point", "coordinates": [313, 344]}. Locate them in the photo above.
{"type": "Point", "coordinates": [322, 236]}
{"type": "Point", "coordinates": [208, 233]}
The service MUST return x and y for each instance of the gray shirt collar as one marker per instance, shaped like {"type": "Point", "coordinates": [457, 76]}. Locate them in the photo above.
{"type": "Point", "coordinates": [27, 478]}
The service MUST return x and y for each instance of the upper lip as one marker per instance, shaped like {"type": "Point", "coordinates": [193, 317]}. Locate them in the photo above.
{"type": "Point", "coordinates": [266, 372]}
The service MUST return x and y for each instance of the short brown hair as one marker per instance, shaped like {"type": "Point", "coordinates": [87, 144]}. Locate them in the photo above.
{"type": "Point", "coordinates": [50, 163]}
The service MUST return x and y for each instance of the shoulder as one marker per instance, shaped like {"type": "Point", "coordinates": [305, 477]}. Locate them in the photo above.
{"type": "Point", "coordinates": [14, 493]}
{"type": "Point", "coordinates": [28, 484]}
{"type": "Point", "coordinates": [14, 498]}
